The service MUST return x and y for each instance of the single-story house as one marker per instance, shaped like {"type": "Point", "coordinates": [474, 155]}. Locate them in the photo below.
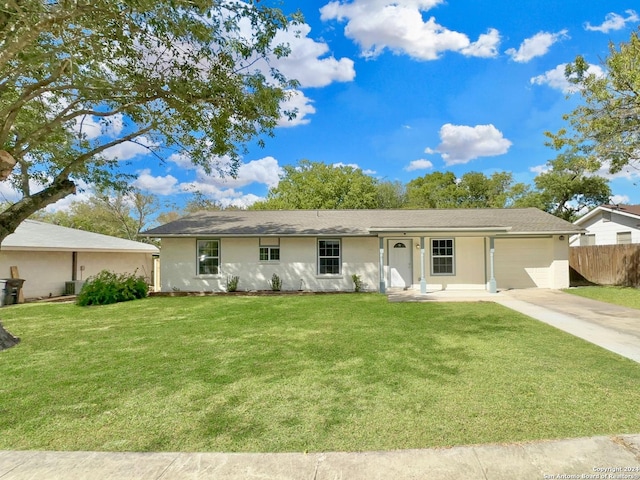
{"type": "Point", "coordinates": [54, 260]}
{"type": "Point", "coordinates": [609, 225]}
{"type": "Point", "coordinates": [320, 250]}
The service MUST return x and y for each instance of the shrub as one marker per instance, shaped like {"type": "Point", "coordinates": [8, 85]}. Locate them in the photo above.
{"type": "Point", "coordinates": [275, 283]}
{"type": "Point", "coordinates": [109, 287]}
{"type": "Point", "coordinates": [357, 282]}
{"type": "Point", "coordinates": [232, 283]}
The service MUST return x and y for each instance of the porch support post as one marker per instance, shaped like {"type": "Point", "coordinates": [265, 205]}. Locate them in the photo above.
{"type": "Point", "coordinates": [382, 287]}
{"type": "Point", "coordinates": [493, 288]}
{"type": "Point", "coordinates": [423, 278]}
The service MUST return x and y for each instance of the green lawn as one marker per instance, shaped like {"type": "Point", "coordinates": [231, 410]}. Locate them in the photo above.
{"type": "Point", "coordinates": [301, 373]}
{"type": "Point", "coordinates": [625, 296]}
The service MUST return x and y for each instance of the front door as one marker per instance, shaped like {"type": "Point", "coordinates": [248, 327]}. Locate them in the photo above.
{"type": "Point", "coordinates": [400, 271]}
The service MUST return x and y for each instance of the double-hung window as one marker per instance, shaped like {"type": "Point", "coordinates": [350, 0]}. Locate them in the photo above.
{"type": "Point", "coordinates": [329, 257]}
{"type": "Point", "coordinates": [442, 256]}
{"type": "Point", "coordinates": [269, 249]}
{"type": "Point", "coordinates": [208, 257]}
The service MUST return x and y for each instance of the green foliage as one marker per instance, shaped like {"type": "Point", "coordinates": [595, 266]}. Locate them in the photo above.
{"type": "Point", "coordinates": [109, 287]}
{"type": "Point", "coordinates": [81, 77]}
{"type": "Point", "coordinates": [357, 282]}
{"type": "Point", "coordinates": [568, 187]}
{"type": "Point", "coordinates": [472, 190]}
{"type": "Point", "coordinates": [606, 127]}
{"type": "Point", "coordinates": [232, 283]}
{"type": "Point", "coordinates": [108, 212]}
{"type": "Point", "coordinates": [275, 283]}
{"type": "Point", "coordinates": [315, 185]}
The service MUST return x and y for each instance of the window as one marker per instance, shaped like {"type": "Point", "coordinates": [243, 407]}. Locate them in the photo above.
{"type": "Point", "coordinates": [442, 260]}
{"type": "Point", "coordinates": [623, 238]}
{"type": "Point", "coordinates": [587, 239]}
{"type": "Point", "coordinates": [269, 254]}
{"type": "Point", "coordinates": [208, 257]}
{"type": "Point", "coordinates": [329, 257]}
{"type": "Point", "coordinates": [269, 249]}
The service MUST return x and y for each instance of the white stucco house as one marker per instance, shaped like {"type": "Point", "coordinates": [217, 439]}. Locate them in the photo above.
{"type": "Point", "coordinates": [319, 250]}
{"type": "Point", "coordinates": [49, 256]}
{"type": "Point", "coordinates": [609, 225]}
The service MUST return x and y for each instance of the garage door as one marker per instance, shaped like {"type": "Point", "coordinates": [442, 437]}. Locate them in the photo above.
{"type": "Point", "coordinates": [523, 262]}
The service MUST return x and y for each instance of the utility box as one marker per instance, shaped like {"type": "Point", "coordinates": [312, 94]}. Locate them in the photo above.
{"type": "Point", "coordinates": [73, 287]}
{"type": "Point", "coordinates": [11, 290]}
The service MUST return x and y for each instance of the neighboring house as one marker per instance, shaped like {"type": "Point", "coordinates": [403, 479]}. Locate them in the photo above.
{"type": "Point", "coordinates": [609, 225]}
{"type": "Point", "coordinates": [48, 256]}
{"type": "Point", "coordinates": [319, 250]}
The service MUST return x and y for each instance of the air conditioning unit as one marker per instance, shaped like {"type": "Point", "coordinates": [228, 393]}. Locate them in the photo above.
{"type": "Point", "coordinates": [73, 287]}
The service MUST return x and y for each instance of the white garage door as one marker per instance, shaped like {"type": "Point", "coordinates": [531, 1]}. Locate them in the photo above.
{"type": "Point", "coordinates": [523, 262]}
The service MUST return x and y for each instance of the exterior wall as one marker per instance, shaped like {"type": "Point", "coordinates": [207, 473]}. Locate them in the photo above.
{"type": "Point", "coordinates": [519, 263]}
{"type": "Point", "coordinates": [605, 231]}
{"type": "Point", "coordinates": [469, 266]}
{"type": "Point", "coordinates": [45, 273]}
{"type": "Point", "coordinates": [532, 262]}
{"type": "Point", "coordinates": [297, 267]}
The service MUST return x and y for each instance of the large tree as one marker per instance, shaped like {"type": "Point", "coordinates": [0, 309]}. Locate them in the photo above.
{"type": "Point", "coordinates": [472, 190]}
{"type": "Point", "coordinates": [310, 185]}
{"type": "Point", "coordinates": [109, 212]}
{"type": "Point", "coordinates": [78, 77]}
{"type": "Point", "coordinates": [568, 187]}
{"type": "Point", "coordinates": [606, 126]}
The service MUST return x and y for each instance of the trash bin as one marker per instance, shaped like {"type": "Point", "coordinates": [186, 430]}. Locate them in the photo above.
{"type": "Point", "coordinates": [12, 289]}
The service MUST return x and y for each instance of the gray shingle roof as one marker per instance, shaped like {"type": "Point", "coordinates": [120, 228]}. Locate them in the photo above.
{"type": "Point", "coordinates": [361, 222]}
{"type": "Point", "coordinates": [32, 235]}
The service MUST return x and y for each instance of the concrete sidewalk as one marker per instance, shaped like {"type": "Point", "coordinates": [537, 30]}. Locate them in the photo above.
{"type": "Point", "coordinates": [598, 457]}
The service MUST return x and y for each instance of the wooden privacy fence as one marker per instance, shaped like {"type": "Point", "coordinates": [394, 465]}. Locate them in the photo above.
{"type": "Point", "coordinates": [605, 265]}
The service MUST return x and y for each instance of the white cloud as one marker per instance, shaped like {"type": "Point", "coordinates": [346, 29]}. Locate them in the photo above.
{"type": "Point", "coordinates": [486, 46]}
{"type": "Point", "coordinates": [620, 199]}
{"type": "Point", "coordinates": [536, 46]}
{"type": "Point", "coordinates": [225, 197]}
{"type": "Point", "coordinates": [556, 79]}
{"type": "Point", "coordinates": [538, 169]}
{"type": "Point", "coordinates": [127, 150]}
{"type": "Point", "coordinates": [309, 62]}
{"type": "Point", "coordinates": [159, 185]}
{"type": "Point", "coordinates": [355, 166]}
{"type": "Point", "coordinates": [300, 102]}
{"type": "Point", "coordinates": [461, 143]}
{"type": "Point", "coordinates": [628, 172]}
{"type": "Point", "coordinates": [613, 21]}
{"type": "Point", "coordinates": [399, 26]}
{"type": "Point", "coordinates": [92, 127]}
{"type": "Point", "coordinates": [420, 164]}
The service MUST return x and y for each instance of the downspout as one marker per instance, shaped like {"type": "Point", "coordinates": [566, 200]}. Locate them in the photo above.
{"type": "Point", "coordinates": [423, 279]}
{"type": "Point", "coordinates": [493, 288]}
{"type": "Point", "coordinates": [382, 285]}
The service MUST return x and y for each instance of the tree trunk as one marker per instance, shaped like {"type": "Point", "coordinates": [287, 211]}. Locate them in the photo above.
{"type": "Point", "coordinates": [6, 339]}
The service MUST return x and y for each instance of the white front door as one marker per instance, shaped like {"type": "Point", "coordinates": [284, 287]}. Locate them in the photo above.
{"type": "Point", "coordinates": [400, 271]}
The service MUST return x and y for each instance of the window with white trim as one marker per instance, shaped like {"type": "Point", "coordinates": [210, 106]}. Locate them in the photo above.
{"type": "Point", "coordinates": [587, 239]}
{"type": "Point", "coordinates": [269, 249]}
{"type": "Point", "coordinates": [623, 238]}
{"type": "Point", "coordinates": [208, 257]}
{"type": "Point", "coordinates": [329, 257]}
{"type": "Point", "coordinates": [442, 256]}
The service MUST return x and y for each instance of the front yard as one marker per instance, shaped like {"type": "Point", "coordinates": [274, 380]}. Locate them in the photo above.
{"type": "Point", "coordinates": [301, 373]}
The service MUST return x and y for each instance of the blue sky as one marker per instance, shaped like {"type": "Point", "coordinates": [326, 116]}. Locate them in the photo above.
{"type": "Point", "coordinates": [406, 88]}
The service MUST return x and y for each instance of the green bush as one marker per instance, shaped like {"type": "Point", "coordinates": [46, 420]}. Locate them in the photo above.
{"type": "Point", "coordinates": [275, 283]}
{"type": "Point", "coordinates": [232, 283]}
{"type": "Point", "coordinates": [357, 282]}
{"type": "Point", "coordinates": [109, 287]}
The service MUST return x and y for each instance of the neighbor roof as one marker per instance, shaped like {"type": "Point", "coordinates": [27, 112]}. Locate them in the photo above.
{"type": "Point", "coordinates": [363, 222]}
{"type": "Point", "coordinates": [626, 210]}
{"type": "Point", "coordinates": [33, 235]}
